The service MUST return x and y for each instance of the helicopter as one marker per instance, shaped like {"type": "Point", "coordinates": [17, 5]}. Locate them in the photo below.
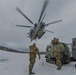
{"type": "Point", "coordinates": [38, 29]}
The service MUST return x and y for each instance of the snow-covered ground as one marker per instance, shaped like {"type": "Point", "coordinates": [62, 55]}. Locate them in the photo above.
{"type": "Point", "coordinates": [17, 64]}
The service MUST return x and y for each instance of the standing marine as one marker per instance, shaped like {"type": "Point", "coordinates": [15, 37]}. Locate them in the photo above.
{"type": "Point", "coordinates": [56, 53]}
{"type": "Point", "coordinates": [32, 56]}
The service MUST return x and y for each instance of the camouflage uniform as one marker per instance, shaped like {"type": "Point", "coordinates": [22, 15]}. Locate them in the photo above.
{"type": "Point", "coordinates": [57, 55]}
{"type": "Point", "coordinates": [55, 41]}
{"type": "Point", "coordinates": [33, 51]}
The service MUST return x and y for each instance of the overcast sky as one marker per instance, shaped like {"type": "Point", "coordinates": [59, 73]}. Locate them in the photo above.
{"type": "Point", "coordinates": [16, 37]}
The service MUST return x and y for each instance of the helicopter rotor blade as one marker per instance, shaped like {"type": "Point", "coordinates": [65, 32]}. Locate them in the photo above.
{"type": "Point", "coordinates": [24, 15]}
{"type": "Point", "coordinates": [24, 26]}
{"type": "Point", "coordinates": [54, 22]}
{"type": "Point", "coordinates": [49, 31]}
{"type": "Point", "coordinates": [43, 9]}
{"type": "Point", "coordinates": [43, 17]}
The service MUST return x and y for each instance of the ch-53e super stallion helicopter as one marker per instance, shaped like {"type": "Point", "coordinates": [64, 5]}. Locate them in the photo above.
{"type": "Point", "coordinates": [38, 30]}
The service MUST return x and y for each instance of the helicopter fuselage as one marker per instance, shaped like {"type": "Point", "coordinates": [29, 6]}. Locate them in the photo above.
{"type": "Point", "coordinates": [37, 32]}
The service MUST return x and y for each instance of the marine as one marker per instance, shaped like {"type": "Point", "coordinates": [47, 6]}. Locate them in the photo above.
{"type": "Point", "coordinates": [56, 53]}
{"type": "Point", "coordinates": [32, 56]}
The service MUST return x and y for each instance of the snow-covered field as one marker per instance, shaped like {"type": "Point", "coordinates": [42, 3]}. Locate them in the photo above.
{"type": "Point", "coordinates": [17, 64]}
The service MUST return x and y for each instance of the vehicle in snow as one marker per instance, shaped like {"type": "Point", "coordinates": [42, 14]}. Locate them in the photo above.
{"type": "Point", "coordinates": [67, 54]}
{"type": "Point", "coordinates": [64, 50]}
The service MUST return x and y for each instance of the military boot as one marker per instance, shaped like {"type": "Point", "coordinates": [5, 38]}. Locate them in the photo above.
{"type": "Point", "coordinates": [59, 68]}
{"type": "Point", "coordinates": [31, 73]}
